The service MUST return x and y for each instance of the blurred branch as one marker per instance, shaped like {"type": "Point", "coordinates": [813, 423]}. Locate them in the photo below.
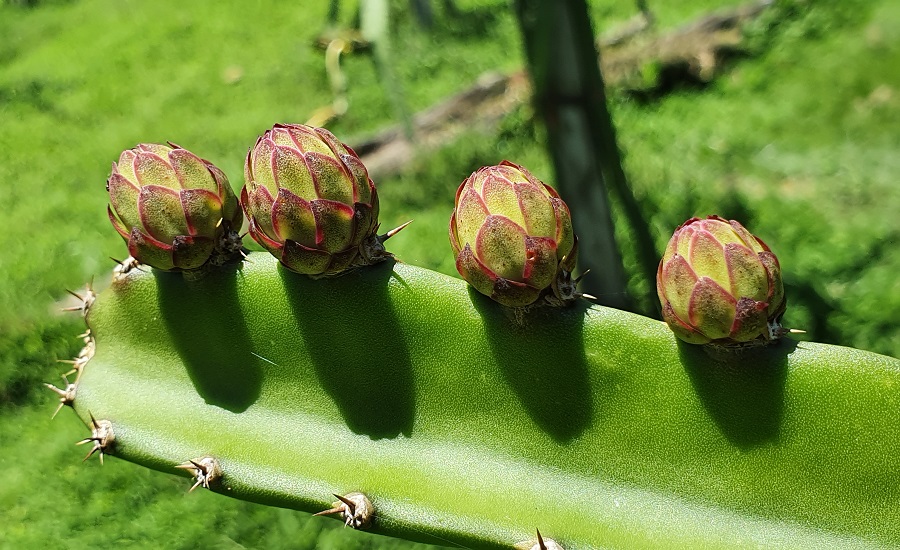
{"type": "Point", "coordinates": [569, 96]}
{"type": "Point", "coordinates": [493, 96]}
{"type": "Point", "coordinates": [373, 34]}
{"type": "Point", "coordinates": [481, 106]}
{"type": "Point", "coordinates": [337, 81]}
{"type": "Point", "coordinates": [695, 52]}
{"type": "Point", "coordinates": [375, 24]}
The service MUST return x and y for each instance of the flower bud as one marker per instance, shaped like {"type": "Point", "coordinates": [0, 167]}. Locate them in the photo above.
{"type": "Point", "coordinates": [174, 209]}
{"type": "Point", "coordinates": [720, 284]}
{"type": "Point", "coordinates": [310, 201]}
{"type": "Point", "coordinates": [512, 236]}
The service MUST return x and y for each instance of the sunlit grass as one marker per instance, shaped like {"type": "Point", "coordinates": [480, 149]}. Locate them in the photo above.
{"type": "Point", "coordinates": [799, 142]}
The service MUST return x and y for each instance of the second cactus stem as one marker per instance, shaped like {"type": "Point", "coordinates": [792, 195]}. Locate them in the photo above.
{"type": "Point", "coordinates": [401, 401]}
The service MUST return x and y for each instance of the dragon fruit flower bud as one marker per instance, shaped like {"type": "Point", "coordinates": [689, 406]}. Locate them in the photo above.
{"type": "Point", "coordinates": [720, 284]}
{"type": "Point", "coordinates": [512, 237]}
{"type": "Point", "coordinates": [310, 201]}
{"type": "Point", "coordinates": [175, 210]}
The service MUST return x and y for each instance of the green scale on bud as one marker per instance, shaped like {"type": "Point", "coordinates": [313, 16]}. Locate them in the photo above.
{"type": "Point", "coordinates": [718, 283]}
{"type": "Point", "coordinates": [310, 201]}
{"type": "Point", "coordinates": [176, 211]}
{"type": "Point", "coordinates": [512, 237]}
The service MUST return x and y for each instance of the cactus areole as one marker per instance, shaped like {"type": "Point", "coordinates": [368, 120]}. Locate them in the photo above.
{"type": "Point", "coordinates": [512, 237]}
{"type": "Point", "coordinates": [720, 284]}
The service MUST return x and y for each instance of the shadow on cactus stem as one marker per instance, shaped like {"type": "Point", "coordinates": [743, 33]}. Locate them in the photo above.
{"type": "Point", "coordinates": [375, 398]}
{"type": "Point", "coordinates": [555, 394]}
{"type": "Point", "coordinates": [742, 390]}
{"type": "Point", "coordinates": [208, 328]}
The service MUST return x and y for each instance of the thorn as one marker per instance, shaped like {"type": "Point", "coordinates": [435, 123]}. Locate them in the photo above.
{"type": "Point", "coordinates": [125, 267]}
{"type": "Point", "coordinates": [330, 511]}
{"type": "Point", "coordinates": [101, 435]}
{"type": "Point", "coordinates": [86, 301]}
{"type": "Point", "coordinates": [356, 510]}
{"type": "Point", "coordinates": [58, 391]}
{"type": "Point", "coordinates": [93, 450]}
{"type": "Point", "coordinates": [580, 277]}
{"type": "Point", "coordinates": [192, 465]}
{"type": "Point", "coordinates": [539, 544]}
{"type": "Point", "coordinates": [75, 294]}
{"type": "Point", "coordinates": [85, 334]}
{"type": "Point", "coordinates": [796, 331]}
{"type": "Point", "coordinates": [219, 223]}
{"type": "Point", "coordinates": [206, 470]}
{"type": "Point", "coordinates": [67, 361]}
{"type": "Point", "coordinates": [587, 296]}
{"type": "Point", "coordinates": [350, 505]}
{"type": "Point", "coordinates": [338, 506]}
{"type": "Point", "coordinates": [392, 232]}
{"type": "Point", "coordinates": [66, 396]}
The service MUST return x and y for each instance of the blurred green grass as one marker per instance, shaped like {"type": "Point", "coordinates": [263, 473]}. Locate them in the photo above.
{"type": "Point", "coordinates": [799, 142]}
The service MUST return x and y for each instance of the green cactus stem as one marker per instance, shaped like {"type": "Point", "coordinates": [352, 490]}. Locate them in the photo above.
{"type": "Point", "coordinates": [462, 426]}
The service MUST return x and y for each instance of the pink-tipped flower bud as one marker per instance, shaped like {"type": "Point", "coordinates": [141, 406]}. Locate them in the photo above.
{"type": "Point", "coordinates": [512, 236]}
{"type": "Point", "coordinates": [718, 283]}
{"type": "Point", "coordinates": [310, 201]}
{"type": "Point", "coordinates": [174, 209]}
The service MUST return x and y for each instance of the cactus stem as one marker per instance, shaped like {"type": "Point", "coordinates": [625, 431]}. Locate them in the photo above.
{"type": "Point", "coordinates": [206, 470]}
{"type": "Point", "coordinates": [101, 435]}
{"type": "Point", "coordinates": [355, 508]}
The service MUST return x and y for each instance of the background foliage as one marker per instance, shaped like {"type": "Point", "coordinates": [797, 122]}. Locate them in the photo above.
{"type": "Point", "coordinates": [799, 141]}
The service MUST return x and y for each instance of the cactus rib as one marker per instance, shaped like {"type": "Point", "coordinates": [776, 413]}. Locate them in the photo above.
{"type": "Point", "coordinates": [461, 425]}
